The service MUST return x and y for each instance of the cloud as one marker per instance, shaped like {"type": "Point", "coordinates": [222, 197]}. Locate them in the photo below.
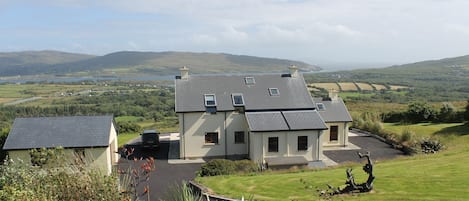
{"type": "Point", "coordinates": [321, 29]}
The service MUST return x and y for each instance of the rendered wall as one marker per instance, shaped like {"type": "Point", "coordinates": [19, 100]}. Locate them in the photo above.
{"type": "Point", "coordinates": [194, 126]}
{"type": "Point", "coordinates": [287, 145]}
{"type": "Point", "coordinates": [97, 158]}
{"type": "Point", "coordinates": [342, 134]}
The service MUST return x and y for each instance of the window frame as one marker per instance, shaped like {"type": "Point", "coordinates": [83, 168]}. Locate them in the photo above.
{"type": "Point", "coordinates": [212, 142]}
{"type": "Point", "coordinates": [236, 137]}
{"type": "Point", "coordinates": [249, 80]}
{"type": "Point", "coordinates": [277, 93]}
{"type": "Point", "coordinates": [336, 133]}
{"type": "Point", "coordinates": [233, 99]}
{"type": "Point", "coordinates": [320, 106]}
{"type": "Point", "coordinates": [301, 144]}
{"type": "Point", "coordinates": [214, 100]}
{"type": "Point", "coordinates": [272, 146]}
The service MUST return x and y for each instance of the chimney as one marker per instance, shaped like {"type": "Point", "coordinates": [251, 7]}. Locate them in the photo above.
{"type": "Point", "coordinates": [333, 95]}
{"type": "Point", "coordinates": [293, 71]}
{"type": "Point", "coordinates": [184, 73]}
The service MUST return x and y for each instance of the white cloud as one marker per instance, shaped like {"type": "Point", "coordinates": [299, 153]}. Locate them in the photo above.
{"type": "Point", "coordinates": [356, 30]}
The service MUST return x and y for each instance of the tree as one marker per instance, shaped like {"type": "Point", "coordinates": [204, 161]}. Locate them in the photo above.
{"type": "Point", "coordinates": [420, 112]}
{"type": "Point", "coordinates": [447, 113]}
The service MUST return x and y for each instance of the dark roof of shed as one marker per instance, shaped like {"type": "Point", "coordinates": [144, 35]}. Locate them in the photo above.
{"type": "Point", "coordinates": [335, 110]}
{"type": "Point", "coordinates": [285, 120]}
{"type": "Point", "coordinates": [293, 93]}
{"type": "Point", "coordinates": [68, 132]}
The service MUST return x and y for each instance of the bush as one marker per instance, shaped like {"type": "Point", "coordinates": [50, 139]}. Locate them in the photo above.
{"type": "Point", "coordinates": [407, 135]}
{"type": "Point", "coordinates": [21, 181]}
{"type": "Point", "coordinates": [246, 166]}
{"type": "Point", "coordinates": [430, 145]}
{"type": "Point", "coordinates": [217, 167]}
{"type": "Point", "coordinates": [227, 167]}
{"type": "Point", "coordinates": [182, 193]}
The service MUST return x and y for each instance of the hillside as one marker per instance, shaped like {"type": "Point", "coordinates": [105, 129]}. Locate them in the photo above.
{"type": "Point", "coordinates": [127, 62]}
{"type": "Point", "coordinates": [31, 62]}
{"type": "Point", "coordinates": [437, 80]}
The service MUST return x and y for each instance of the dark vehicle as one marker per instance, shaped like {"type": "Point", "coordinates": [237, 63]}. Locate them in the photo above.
{"type": "Point", "coordinates": [150, 139]}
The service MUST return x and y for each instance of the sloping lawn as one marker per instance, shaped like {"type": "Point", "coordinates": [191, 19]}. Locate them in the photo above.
{"type": "Point", "coordinates": [126, 137]}
{"type": "Point", "coordinates": [441, 176]}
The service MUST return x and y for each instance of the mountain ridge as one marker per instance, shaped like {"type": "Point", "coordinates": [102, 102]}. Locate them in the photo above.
{"type": "Point", "coordinates": [161, 63]}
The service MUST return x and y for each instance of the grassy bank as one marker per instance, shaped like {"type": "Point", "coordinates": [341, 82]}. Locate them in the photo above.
{"type": "Point", "coordinates": [440, 176]}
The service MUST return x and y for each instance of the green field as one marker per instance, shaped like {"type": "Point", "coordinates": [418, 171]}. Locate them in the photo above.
{"type": "Point", "coordinates": [124, 138]}
{"type": "Point", "coordinates": [440, 176]}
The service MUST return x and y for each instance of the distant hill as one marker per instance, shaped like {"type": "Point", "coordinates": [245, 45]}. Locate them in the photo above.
{"type": "Point", "coordinates": [30, 62]}
{"type": "Point", "coordinates": [161, 63]}
{"type": "Point", "coordinates": [438, 80]}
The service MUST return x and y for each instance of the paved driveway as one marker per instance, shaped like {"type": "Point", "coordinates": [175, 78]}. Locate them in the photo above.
{"type": "Point", "coordinates": [378, 150]}
{"type": "Point", "coordinates": [166, 175]}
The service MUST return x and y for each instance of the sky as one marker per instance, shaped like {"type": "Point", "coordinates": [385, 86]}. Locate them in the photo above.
{"type": "Point", "coordinates": [328, 33]}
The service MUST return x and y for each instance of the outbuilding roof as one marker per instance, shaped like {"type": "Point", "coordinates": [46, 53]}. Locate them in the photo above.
{"type": "Point", "coordinates": [261, 92]}
{"type": "Point", "coordinates": [285, 121]}
{"type": "Point", "coordinates": [68, 132]}
{"type": "Point", "coordinates": [334, 110]}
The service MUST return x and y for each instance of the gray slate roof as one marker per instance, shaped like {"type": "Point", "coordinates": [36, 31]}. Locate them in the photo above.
{"type": "Point", "coordinates": [285, 120]}
{"type": "Point", "coordinates": [335, 110]}
{"type": "Point", "coordinates": [293, 92]}
{"type": "Point", "coordinates": [68, 132]}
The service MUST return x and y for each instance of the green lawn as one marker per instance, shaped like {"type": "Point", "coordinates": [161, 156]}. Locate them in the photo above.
{"type": "Point", "coordinates": [440, 176]}
{"type": "Point", "coordinates": [124, 138]}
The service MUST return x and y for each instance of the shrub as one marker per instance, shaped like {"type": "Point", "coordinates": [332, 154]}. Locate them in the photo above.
{"type": "Point", "coordinates": [182, 193]}
{"type": "Point", "coordinates": [217, 167]}
{"type": "Point", "coordinates": [246, 166]}
{"type": "Point", "coordinates": [430, 145]}
{"type": "Point", "coordinates": [21, 181]}
{"type": "Point", "coordinates": [407, 135]}
{"type": "Point", "coordinates": [376, 127]}
{"type": "Point", "coordinates": [227, 167]}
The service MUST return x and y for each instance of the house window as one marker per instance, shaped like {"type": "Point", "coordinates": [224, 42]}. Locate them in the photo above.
{"type": "Point", "coordinates": [273, 144]}
{"type": "Point", "coordinates": [238, 99]}
{"type": "Point", "coordinates": [334, 133]}
{"type": "Point", "coordinates": [239, 137]}
{"type": "Point", "coordinates": [320, 107]}
{"type": "Point", "coordinates": [211, 138]}
{"type": "Point", "coordinates": [249, 80]}
{"type": "Point", "coordinates": [274, 92]}
{"type": "Point", "coordinates": [210, 100]}
{"type": "Point", "coordinates": [302, 143]}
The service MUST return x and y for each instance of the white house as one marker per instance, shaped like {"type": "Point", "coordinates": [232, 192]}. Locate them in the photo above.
{"type": "Point", "coordinates": [269, 118]}
{"type": "Point", "coordinates": [334, 112]}
{"type": "Point", "coordinates": [93, 138]}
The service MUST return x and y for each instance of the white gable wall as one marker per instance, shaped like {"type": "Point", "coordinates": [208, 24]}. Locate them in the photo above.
{"type": "Point", "coordinates": [287, 145]}
{"type": "Point", "coordinates": [342, 134]}
{"type": "Point", "coordinates": [97, 158]}
{"type": "Point", "coordinates": [194, 126]}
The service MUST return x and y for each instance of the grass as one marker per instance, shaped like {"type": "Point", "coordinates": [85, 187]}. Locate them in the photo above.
{"type": "Point", "coordinates": [365, 86]}
{"type": "Point", "coordinates": [129, 119]}
{"type": "Point", "coordinates": [440, 176]}
{"type": "Point", "coordinates": [345, 95]}
{"type": "Point", "coordinates": [326, 86]}
{"type": "Point", "coordinates": [379, 87]}
{"type": "Point", "coordinates": [348, 86]}
{"type": "Point", "coordinates": [124, 138]}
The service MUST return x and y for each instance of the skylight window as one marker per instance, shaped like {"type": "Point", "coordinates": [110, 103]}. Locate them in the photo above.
{"type": "Point", "coordinates": [238, 99]}
{"type": "Point", "coordinates": [210, 100]}
{"type": "Point", "coordinates": [274, 91]}
{"type": "Point", "coordinates": [249, 80]}
{"type": "Point", "coordinates": [320, 106]}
